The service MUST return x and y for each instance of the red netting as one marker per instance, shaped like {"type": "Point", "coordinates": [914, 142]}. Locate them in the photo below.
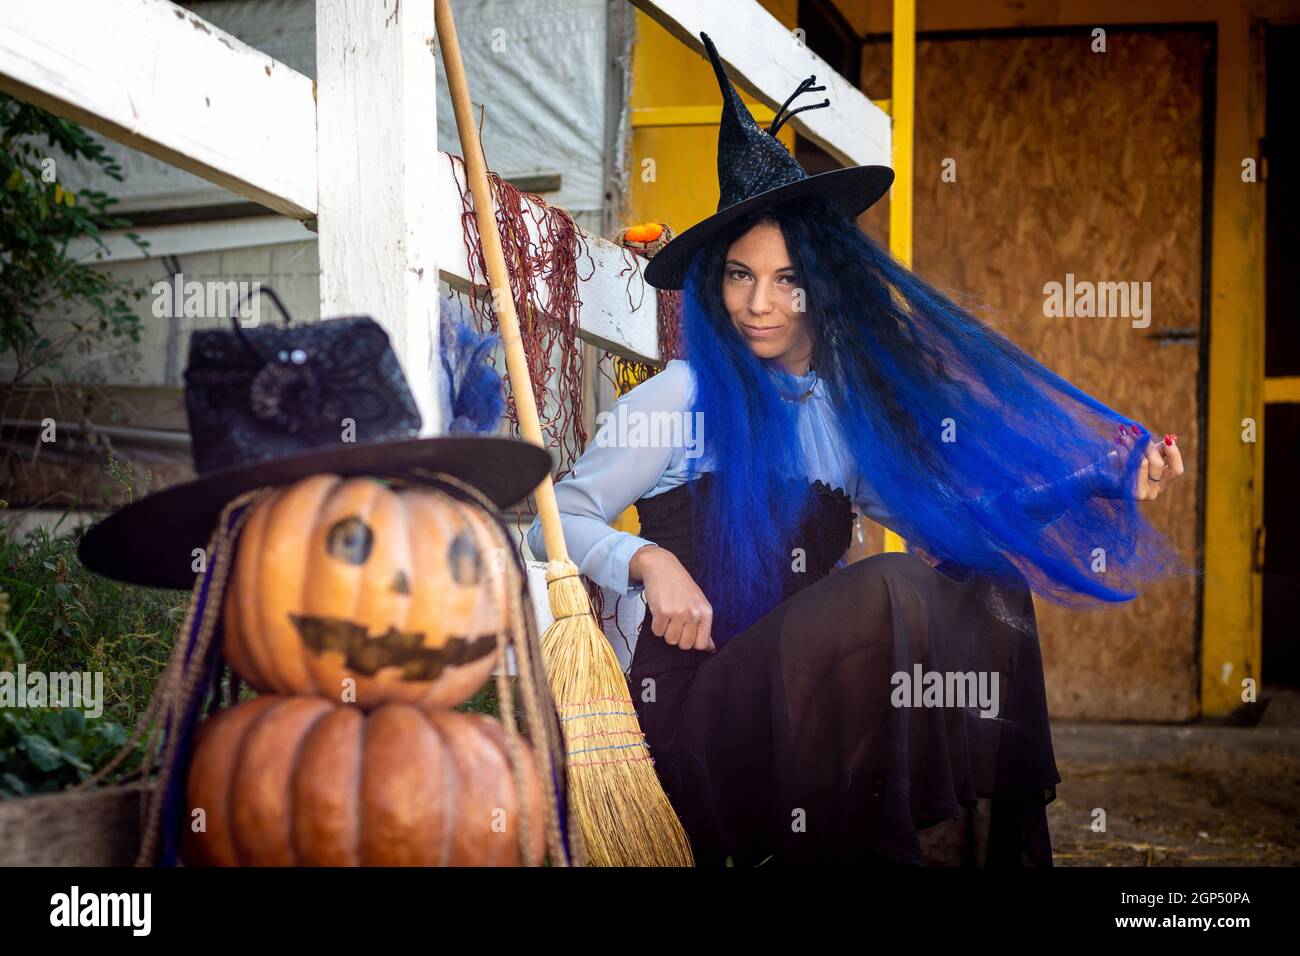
{"type": "Point", "coordinates": [542, 247]}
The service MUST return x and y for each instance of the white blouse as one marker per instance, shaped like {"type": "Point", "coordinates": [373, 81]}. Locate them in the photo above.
{"type": "Point", "coordinates": [644, 446]}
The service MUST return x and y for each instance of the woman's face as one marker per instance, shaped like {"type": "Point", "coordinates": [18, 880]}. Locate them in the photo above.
{"type": "Point", "coordinates": [763, 296]}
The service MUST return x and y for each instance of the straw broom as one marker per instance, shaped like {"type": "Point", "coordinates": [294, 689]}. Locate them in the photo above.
{"type": "Point", "coordinates": [614, 792]}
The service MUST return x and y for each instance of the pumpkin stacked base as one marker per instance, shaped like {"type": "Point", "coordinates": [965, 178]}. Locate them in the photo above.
{"type": "Point", "coordinates": [304, 781]}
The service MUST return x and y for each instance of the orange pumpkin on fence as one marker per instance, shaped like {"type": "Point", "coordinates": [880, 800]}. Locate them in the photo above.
{"type": "Point", "coordinates": [362, 593]}
{"type": "Point", "coordinates": [301, 781]}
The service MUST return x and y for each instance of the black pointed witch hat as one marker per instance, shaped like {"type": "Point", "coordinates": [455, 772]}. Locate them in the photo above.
{"type": "Point", "coordinates": [755, 169]}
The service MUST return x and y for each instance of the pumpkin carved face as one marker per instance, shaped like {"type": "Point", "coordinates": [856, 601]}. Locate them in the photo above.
{"type": "Point", "coordinates": [350, 590]}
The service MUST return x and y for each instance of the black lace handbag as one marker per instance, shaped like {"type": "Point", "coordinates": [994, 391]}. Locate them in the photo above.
{"type": "Point", "coordinates": [271, 391]}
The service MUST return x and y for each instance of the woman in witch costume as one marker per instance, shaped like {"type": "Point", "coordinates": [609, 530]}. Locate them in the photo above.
{"type": "Point", "coordinates": [790, 702]}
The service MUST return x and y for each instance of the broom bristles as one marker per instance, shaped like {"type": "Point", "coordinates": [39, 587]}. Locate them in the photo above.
{"type": "Point", "coordinates": [614, 792]}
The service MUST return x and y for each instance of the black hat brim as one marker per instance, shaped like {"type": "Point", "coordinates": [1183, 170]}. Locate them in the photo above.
{"type": "Point", "coordinates": [151, 542]}
{"type": "Point", "coordinates": [854, 189]}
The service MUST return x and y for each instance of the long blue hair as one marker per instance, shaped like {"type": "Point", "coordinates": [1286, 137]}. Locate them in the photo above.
{"type": "Point", "coordinates": [985, 458]}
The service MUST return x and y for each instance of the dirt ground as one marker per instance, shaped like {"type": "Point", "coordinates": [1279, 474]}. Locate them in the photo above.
{"type": "Point", "coordinates": [1180, 795]}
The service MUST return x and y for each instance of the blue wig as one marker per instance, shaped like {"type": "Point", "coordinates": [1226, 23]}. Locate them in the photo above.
{"type": "Point", "coordinates": [986, 458]}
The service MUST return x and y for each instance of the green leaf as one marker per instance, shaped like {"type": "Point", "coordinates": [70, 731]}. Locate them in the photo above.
{"type": "Point", "coordinates": [15, 784]}
{"type": "Point", "coordinates": [51, 724]}
{"type": "Point", "coordinates": [43, 754]}
{"type": "Point", "coordinates": [111, 733]}
{"type": "Point", "coordinates": [73, 758]}
{"type": "Point", "coordinates": [74, 721]}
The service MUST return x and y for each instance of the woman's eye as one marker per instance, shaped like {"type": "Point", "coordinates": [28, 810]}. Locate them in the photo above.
{"type": "Point", "coordinates": [738, 275]}
{"type": "Point", "coordinates": [788, 279]}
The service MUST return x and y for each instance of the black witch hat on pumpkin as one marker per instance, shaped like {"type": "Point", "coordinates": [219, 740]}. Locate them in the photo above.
{"type": "Point", "coordinates": [755, 169]}
{"type": "Point", "coordinates": [271, 405]}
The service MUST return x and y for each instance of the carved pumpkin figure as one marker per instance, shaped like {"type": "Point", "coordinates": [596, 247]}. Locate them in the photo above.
{"type": "Point", "coordinates": [301, 781]}
{"type": "Point", "coordinates": [402, 591]}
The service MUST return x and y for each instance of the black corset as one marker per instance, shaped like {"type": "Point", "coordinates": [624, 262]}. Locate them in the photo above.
{"type": "Point", "coordinates": [674, 521]}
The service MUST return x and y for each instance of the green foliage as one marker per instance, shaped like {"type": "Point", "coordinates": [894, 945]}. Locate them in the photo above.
{"type": "Point", "coordinates": [57, 616]}
{"type": "Point", "coordinates": [64, 618]}
{"type": "Point", "coordinates": [45, 750]}
{"type": "Point", "coordinates": [485, 701]}
{"type": "Point", "coordinates": [38, 218]}
{"type": "Point", "coordinates": [121, 481]}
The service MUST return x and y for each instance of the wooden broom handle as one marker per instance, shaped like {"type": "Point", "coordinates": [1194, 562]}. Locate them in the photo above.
{"type": "Point", "coordinates": [498, 276]}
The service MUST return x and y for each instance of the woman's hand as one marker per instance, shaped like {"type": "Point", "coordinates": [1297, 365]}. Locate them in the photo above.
{"type": "Point", "coordinates": [681, 614]}
{"type": "Point", "coordinates": [1163, 462]}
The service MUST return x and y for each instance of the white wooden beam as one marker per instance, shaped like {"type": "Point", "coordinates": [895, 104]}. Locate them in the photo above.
{"type": "Point", "coordinates": [767, 61]}
{"type": "Point", "coordinates": [377, 132]}
{"type": "Point", "coordinates": [182, 239]}
{"type": "Point", "coordinates": [162, 80]}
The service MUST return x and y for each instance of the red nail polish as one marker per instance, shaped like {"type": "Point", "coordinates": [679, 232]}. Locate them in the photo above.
{"type": "Point", "coordinates": [1169, 440]}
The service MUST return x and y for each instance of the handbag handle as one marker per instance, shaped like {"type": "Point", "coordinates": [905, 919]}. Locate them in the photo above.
{"type": "Point", "coordinates": [258, 289]}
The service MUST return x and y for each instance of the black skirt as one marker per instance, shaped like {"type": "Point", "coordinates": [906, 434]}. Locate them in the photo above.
{"type": "Point", "coordinates": [874, 702]}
